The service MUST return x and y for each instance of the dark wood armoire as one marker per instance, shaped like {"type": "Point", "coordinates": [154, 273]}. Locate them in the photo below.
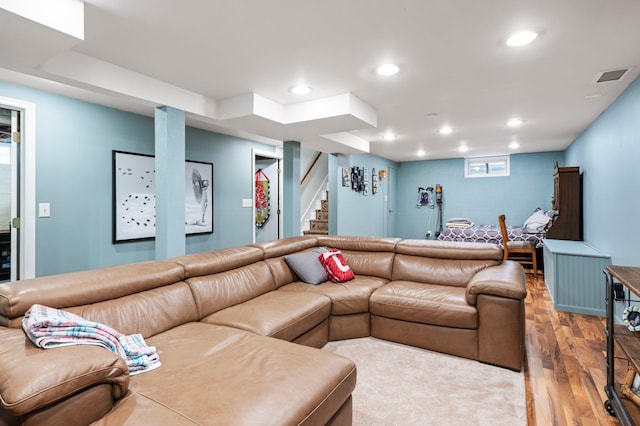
{"type": "Point", "coordinates": [567, 194]}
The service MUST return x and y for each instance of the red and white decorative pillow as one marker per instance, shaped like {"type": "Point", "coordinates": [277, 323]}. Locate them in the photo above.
{"type": "Point", "coordinates": [336, 267]}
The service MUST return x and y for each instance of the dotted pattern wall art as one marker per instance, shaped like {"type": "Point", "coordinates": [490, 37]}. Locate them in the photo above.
{"type": "Point", "coordinates": [134, 198]}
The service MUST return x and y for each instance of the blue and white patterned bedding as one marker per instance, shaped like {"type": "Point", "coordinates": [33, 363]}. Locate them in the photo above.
{"type": "Point", "coordinates": [489, 234]}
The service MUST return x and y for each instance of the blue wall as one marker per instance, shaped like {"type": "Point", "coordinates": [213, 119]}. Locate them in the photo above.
{"type": "Point", "coordinates": [608, 152]}
{"type": "Point", "coordinates": [367, 215]}
{"type": "Point", "coordinates": [529, 186]}
{"type": "Point", "coordinates": [73, 163]}
{"type": "Point", "coordinates": [75, 140]}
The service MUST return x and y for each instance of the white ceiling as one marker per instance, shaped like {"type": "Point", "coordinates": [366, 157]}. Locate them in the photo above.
{"type": "Point", "coordinates": [229, 65]}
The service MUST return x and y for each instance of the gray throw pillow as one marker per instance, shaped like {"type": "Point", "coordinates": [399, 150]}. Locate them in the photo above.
{"type": "Point", "coordinates": [307, 266]}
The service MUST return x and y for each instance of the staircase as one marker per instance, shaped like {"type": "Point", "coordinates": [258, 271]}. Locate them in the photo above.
{"type": "Point", "coordinates": [320, 225]}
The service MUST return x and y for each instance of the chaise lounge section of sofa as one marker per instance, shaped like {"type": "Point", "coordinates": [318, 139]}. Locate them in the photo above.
{"type": "Point", "coordinates": [237, 331]}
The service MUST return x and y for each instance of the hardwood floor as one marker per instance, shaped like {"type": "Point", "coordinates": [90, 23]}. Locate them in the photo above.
{"type": "Point", "coordinates": [565, 370]}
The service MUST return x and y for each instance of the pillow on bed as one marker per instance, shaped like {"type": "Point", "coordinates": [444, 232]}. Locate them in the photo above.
{"type": "Point", "coordinates": [537, 222]}
{"type": "Point", "coordinates": [307, 266]}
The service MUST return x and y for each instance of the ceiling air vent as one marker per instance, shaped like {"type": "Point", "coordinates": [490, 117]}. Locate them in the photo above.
{"type": "Point", "coordinates": [613, 75]}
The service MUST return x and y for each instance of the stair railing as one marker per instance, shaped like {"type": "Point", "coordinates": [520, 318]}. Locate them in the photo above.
{"type": "Point", "coordinates": [313, 163]}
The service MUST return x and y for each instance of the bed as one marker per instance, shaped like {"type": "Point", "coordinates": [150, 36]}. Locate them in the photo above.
{"type": "Point", "coordinates": [490, 234]}
{"type": "Point", "coordinates": [533, 229]}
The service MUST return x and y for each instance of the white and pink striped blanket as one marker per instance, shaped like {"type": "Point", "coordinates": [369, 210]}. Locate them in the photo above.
{"type": "Point", "coordinates": [50, 328]}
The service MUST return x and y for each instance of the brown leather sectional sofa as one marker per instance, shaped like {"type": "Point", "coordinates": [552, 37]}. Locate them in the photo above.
{"type": "Point", "coordinates": [223, 323]}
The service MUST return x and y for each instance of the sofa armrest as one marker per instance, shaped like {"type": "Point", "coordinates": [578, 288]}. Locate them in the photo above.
{"type": "Point", "coordinates": [32, 378]}
{"type": "Point", "coordinates": [504, 280]}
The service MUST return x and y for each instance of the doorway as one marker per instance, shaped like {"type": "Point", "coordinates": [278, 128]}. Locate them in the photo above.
{"type": "Point", "coordinates": [17, 190]}
{"type": "Point", "coordinates": [267, 197]}
{"type": "Point", "coordinates": [389, 219]}
{"type": "Point", "coordinates": [8, 174]}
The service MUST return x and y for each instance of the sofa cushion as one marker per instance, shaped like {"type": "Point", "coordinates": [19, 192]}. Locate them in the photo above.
{"type": "Point", "coordinates": [462, 250]}
{"type": "Point", "coordinates": [211, 262]}
{"type": "Point", "coordinates": [365, 255]}
{"type": "Point", "coordinates": [284, 246]}
{"type": "Point", "coordinates": [219, 375]}
{"type": "Point", "coordinates": [447, 272]}
{"type": "Point", "coordinates": [351, 297]}
{"type": "Point", "coordinates": [424, 303]}
{"type": "Point", "coordinates": [82, 288]}
{"type": "Point", "coordinates": [276, 314]}
{"type": "Point", "coordinates": [219, 291]}
{"type": "Point", "coordinates": [147, 313]}
{"type": "Point", "coordinates": [373, 264]}
{"type": "Point", "coordinates": [356, 243]}
{"type": "Point", "coordinates": [307, 266]}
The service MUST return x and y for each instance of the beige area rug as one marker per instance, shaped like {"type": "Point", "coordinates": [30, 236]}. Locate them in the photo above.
{"type": "Point", "coordinates": [403, 385]}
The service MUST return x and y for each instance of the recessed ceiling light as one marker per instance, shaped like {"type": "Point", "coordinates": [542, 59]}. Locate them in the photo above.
{"type": "Point", "coordinates": [389, 136]}
{"type": "Point", "coordinates": [387, 69]}
{"type": "Point", "coordinates": [515, 122]}
{"type": "Point", "coordinates": [521, 38]}
{"type": "Point", "coordinates": [445, 130]}
{"type": "Point", "coordinates": [463, 148]}
{"type": "Point", "coordinates": [421, 153]}
{"type": "Point", "coordinates": [300, 90]}
{"type": "Point", "coordinates": [514, 145]}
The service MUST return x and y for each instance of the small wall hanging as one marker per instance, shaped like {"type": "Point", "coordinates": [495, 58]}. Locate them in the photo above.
{"type": "Point", "coordinates": [374, 181]}
{"type": "Point", "coordinates": [262, 200]}
{"type": "Point", "coordinates": [357, 178]}
{"type": "Point", "coordinates": [346, 179]}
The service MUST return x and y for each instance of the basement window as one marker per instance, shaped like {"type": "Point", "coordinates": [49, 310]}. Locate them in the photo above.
{"type": "Point", "coordinates": [486, 167]}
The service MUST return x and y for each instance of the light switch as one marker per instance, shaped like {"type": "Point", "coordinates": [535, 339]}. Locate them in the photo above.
{"type": "Point", "coordinates": [44, 210]}
{"type": "Point", "coordinates": [247, 202]}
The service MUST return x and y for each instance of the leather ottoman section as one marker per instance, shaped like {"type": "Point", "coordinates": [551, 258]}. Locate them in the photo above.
{"type": "Point", "coordinates": [343, 327]}
{"type": "Point", "coordinates": [283, 315]}
{"type": "Point", "coordinates": [453, 341]}
{"type": "Point", "coordinates": [218, 375]}
{"type": "Point", "coordinates": [344, 416]}
{"type": "Point", "coordinates": [137, 409]}
{"type": "Point", "coordinates": [424, 303]}
{"type": "Point", "coordinates": [351, 297]}
{"type": "Point", "coordinates": [79, 409]}
{"type": "Point", "coordinates": [37, 383]}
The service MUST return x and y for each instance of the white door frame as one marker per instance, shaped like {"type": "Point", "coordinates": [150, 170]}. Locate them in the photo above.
{"type": "Point", "coordinates": [27, 255]}
{"type": "Point", "coordinates": [275, 156]}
